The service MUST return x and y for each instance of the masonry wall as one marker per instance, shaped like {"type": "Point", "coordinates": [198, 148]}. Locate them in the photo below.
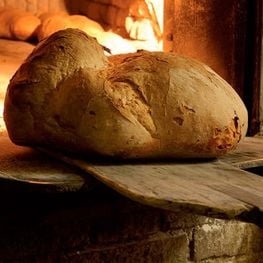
{"type": "Point", "coordinates": [105, 227]}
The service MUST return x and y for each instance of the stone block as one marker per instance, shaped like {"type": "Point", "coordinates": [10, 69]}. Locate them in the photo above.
{"type": "Point", "coordinates": [251, 258]}
{"type": "Point", "coordinates": [173, 221]}
{"type": "Point", "coordinates": [226, 238]}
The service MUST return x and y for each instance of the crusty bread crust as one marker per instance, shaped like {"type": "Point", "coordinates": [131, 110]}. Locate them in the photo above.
{"type": "Point", "coordinates": [68, 95]}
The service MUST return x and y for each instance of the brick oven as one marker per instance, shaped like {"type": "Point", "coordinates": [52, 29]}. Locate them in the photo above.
{"type": "Point", "coordinates": [70, 216]}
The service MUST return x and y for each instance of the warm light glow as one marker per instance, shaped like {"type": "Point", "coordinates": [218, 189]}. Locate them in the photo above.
{"type": "Point", "coordinates": [4, 80]}
{"type": "Point", "coordinates": [159, 10]}
{"type": "Point", "coordinates": [1, 108]}
{"type": "Point", "coordinates": [2, 124]}
{"type": "Point", "coordinates": [145, 24]}
{"type": "Point", "coordinates": [145, 33]}
{"type": "Point", "coordinates": [115, 43]}
{"type": "Point", "coordinates": [6, 74]}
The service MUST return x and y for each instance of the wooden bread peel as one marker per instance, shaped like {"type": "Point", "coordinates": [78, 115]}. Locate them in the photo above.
{"type": "Point", "coordinates": [28, 168]}
{"type": "Point", "coordinates": [212, 188]}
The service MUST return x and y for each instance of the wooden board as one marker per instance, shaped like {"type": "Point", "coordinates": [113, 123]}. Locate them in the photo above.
{"type": "Point", "coordinates": [214, 187]}
{"type": "Point", "coordinates": [208, 188]}
{"type": "Point", "coordinates": [248, 154]}
{"type": "Point", "coordinates": [29, 168]}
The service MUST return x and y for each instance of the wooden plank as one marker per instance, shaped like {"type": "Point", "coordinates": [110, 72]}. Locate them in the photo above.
{"type": "Point", "coordinates": [248, 154]}
{"type": "Point", "coordinates": [208, 188]}
{"type": "Point", "coordinates": [40, 172]}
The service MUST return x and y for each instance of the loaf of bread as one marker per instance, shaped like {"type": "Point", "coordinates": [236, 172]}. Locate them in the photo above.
{"type": "Point", "coordinates": [68, 95]}
{"type": "Point", "coordinates": [17, 24]}
{"type": "Point", "coordinates": [53, 22]}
